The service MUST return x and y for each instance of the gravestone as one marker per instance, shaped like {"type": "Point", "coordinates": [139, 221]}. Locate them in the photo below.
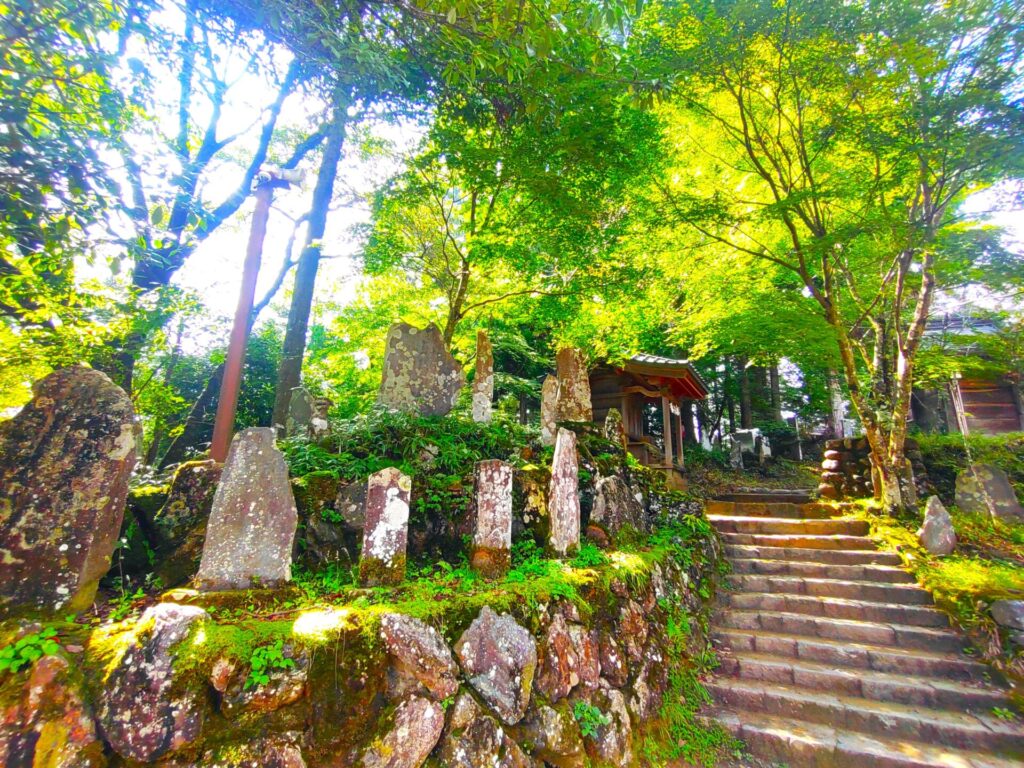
{"type": "Point", "coordinates": [65, 459]}
{"type": "Point", "coordinates": [492, 541]}
{"type": "Point", "coordinates": [615, 507]}
{"type": "Point", "coordinates": [573, 386]}
{"type": "Point", "coordinates": [563, 496]}
{"type": "Point", "coordinates": [420, 375]}
{"type": "Point", "coordinates": [251, 529]}
{"type": "Point", "coordinates": [307, 415]}
{"type": "Point", "coordinates": [386, 531]}
{"type": "Point", "coordinates": [735, 453]}
{"type": "Point", "coordinates": [937, 534]}
{"type": "Point", "coordinates": [483, 383]}
{"type": "Point", "coordinates": [985, 489]}
{"type": "Point", "coordinates": [548, 410]}
{"type": "Point", "coordinates": [614, 429]}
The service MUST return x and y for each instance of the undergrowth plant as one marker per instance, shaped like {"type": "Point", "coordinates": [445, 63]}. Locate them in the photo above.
{"type": "Point", "coordinates": [590, 718]}
{"type": "Point", "coordinates": [264, 660]}
{"type": "Point", "coordinates": [28, 649]}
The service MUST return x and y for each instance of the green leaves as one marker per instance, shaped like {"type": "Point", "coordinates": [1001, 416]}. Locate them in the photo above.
{"type": "Point", "coordinates": [28, 649]}
{"type": "Point", "coordinates": [264, 661]}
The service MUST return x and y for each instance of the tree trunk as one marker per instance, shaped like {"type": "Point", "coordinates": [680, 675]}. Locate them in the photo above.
{"type": "Point", "coordinates": [294, 348]}
{"type": "Point", "coordinates": [836, 402]}
{"type": "Point", "coordinates": [746, 412]}
{"type": "Point", "coordinates": [776, 392]}
{"type": "Point", "coordinates": [196, 421]}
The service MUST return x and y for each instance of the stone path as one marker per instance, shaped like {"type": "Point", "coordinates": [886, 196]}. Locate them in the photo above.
{"type": "Point", "coordinates": [831, 655]}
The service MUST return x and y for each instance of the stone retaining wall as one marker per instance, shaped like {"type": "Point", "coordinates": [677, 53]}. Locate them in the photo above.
{"type": "Point", "coordinates": [846, 468]}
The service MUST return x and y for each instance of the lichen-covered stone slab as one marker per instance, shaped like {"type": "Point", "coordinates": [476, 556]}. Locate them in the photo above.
{"type": "Point", "coordinates": [616, 508]}
{"type": "Point", "coordinates": [553, 735]}
{"type": "Point", "coordinates": [492, 540]}
{"type": "Point", "coordinates": [386, 530]}
{"type": "Point", "coordinates": [574, 402]}
{"type": "Point", "coordinates": [483, 382]}
{"type": "Point", "coordinates": [189, 501]}
{"type": "Point", "coordinates": [548, 410]}
{"type": "Point", "coordinates": [65, 460]}
{"type": "Point", "coordinates": [143, 714]}
{"type": "Point", "coordinates": [937, 534]}
{"type": "Point", "coordinates": [499, 658]}
{"type": "Point", "coordinates": [417, 726]}
{"type": "Point", "coordinates": [563, 496]}
{"type": "Point", "coordinates": [251, 530]}
{"type": "Point", "coordinates": [421, 662]}
{"type": "Point", "coordinates": [420, 375]}
{"type": "Point", "coordinates": [985, 489]}
{"type": "Point", "coordinates": [614, 429]}
{"type": "Point", "coordinates": [304, 416]}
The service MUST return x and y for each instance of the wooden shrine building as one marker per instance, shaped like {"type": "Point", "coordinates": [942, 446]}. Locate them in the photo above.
{"type": "Point", "coordinates": [649, 392]}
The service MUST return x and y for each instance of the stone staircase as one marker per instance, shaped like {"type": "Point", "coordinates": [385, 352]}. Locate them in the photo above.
{"type": "Point", "coordinates": [831, 655]}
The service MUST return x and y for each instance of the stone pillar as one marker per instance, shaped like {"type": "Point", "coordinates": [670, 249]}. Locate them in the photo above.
{"type": "Point", "coordinates": [420, 375]}
{"type": "Point", "coordinates": [386, 531]}
{"type": "Point", "coordinates": [548, 410]}
{"type": "Point", "coordinates": [492, 541]}
{"type": "Point", "coordinates": [614, 429]}
{"type": "Point", "coordinates": [573, 386]}
{"type": "Point", "coordinates": [65, 460]}
{"type": "Point", "coordinates": [252, 524]}
{"type": "Point", "coordinates": [563, 497]}
{"type": "Point", "coordinates": [483, 383]}
{"type": "Point", "coordinates": [301, 412]}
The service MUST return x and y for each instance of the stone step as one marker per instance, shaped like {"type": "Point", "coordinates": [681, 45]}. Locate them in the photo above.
{"type": "Point", "coordinates": [888, 720]}
{"type": "Point", "coordinates": [837, 608]}
{"type": "Point", "coordinates": [869, 632]}
{"type": "Point", "coordinates": [798, 541]}
{"type": "Point", "coordinates": [768, 495]}
{"type": "Point", "coordinates": [877, 686]}
{"type": "Point", "coordinates": [787, 742]}
{"type": "Point", "coordinates": [784, 526]}
{"type": "Point", "coordinates": [826, 556]}
{"type": "Point", "coordinates": [796, 568]}
{"type": "Point", "coordinates": [901, 594]}
{"type": "Point", "coordinates": [790, 510]}
{"type": "Point", "coordinates": [850, 655]}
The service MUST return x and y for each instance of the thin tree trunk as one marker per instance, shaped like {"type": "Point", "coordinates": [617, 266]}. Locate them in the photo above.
{"type": "Point", "coordinates": [776, 392]}
{"type": "Point", "coordinates": [294, 348]}
{"type": "Point", "coordinates": [196, 420]}
{"type": "Point", "coordinates": [746, 412]}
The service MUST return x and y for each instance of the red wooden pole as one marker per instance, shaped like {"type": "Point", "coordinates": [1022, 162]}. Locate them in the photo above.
{"type": "Point", "coordinates": [228, 402]}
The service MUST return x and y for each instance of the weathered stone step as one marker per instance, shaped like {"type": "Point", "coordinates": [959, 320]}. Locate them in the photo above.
{"type": "Point", "coordinates": [827, 556]}
{"type": "Point", "coordinates": [900, 594]}
{"type": "Point", "coordinates": [885, 719]}
{"type": "Point", "coordinates": [796, 568]}
{"type": "Point", "coordinates": [861, 656]}
{"type": "Point", "coordinates": [784, 741]}
{"type": "Point", "coordinates": [786, 527]}
{"type": "Point", "coordinates": [798, 541]}
{"type": "Point", "coordinates": [877, 686]}
{"type": "Point", "coordinates": [768, 495]}
{"type": "Point", "coordinates": [838, 608]}
{"type": "Point", "coordinates": [790, 510]}
{"type": "Point", "coordinates": [872, 633]}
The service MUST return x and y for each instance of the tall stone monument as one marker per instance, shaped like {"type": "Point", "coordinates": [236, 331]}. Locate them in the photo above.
{"type": "Point", "coordinates": [420, 375]}
{"type": "Point", "coordinates": [251, 529]}
{"type": "Point", "coordinates": [307, 415]}
{"type": "Point", "coordinates": [563, 497]}
{"type": "Point", "coordinates": [483, 383]}
{"type": "Point", "coordinates": [492, 540]}
{"type": "Point", "coordinates": [386, 530]}
{"type": "Point", "coordinates": [65, 460]}
{"type": "Point", "coordinates": [573, 386]}
{"type": "Point", "coordinates": [548, 410]}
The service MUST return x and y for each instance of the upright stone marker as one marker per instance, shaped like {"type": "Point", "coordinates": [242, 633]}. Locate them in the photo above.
{"type": "Point", "coordinates": [492, 541]}
{"type": "Point", "coordinates": [483, 383]}
{"type": "Point", "coordinates": [573, 386]}
{"type": "Point", "coordinates": [564, 498]}
{"type": "Point", "coordinates": [420, 375]}
{"type": "Point", "coordinates": [386, 531]}
{"type": "Point", "coordinates": [548, 410]}
{"type": "Point", "coordinates": [614, 429]}
{"type": "Point", "coordinates": [65, 460]}
{"type": "Point", "coordinates": [937, 534]}
{"type": "Point", "coordinates": [986, 489]}
{"type": "Point", "coordinates": [252, 525]}
{"type": "Point", "coordinates": [301, 410]}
